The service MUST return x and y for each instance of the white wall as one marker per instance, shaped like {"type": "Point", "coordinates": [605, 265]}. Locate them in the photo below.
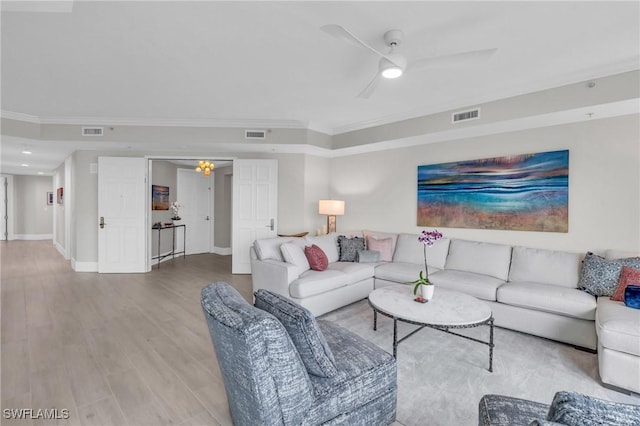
{"type": "Point", "coordinates": [316, 187]}
{"type": "Point", "coordinates": [291, 214]}
{"type": "Point", "coordinates": [222, 207]}
{"type": "Point", "coordinates": [35, 218]}
{"type": "Point", "coordinates": [604, 184]}
{"type": "Point", "coordinates": [59, 210]}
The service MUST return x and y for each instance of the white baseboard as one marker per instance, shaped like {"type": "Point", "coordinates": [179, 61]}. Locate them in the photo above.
{"type": "Point", "coordinates": [223, 251]}
{"type": "Point", "coordinates": [60, 249]}
{"type": "Point", "coordinates": [33, 237]}
{"type": "Point", "coordinates": [84, 266]}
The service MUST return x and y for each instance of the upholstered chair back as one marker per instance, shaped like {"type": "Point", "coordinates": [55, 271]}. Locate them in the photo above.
{"type": "Point", "coordinates": [265, 379]}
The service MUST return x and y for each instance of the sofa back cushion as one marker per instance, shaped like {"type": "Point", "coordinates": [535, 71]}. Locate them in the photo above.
{"type": "Point", "coordinates": [269, 248]}
{"type": "Point", "coordinates": [410, 250]}
{"type": "Point", "coordinates": [480, 258]}
{"type": "Point", "coordinates": [303, 330]}
{"type": "Point", "coordinates": [329, 245]}
{"type": "Point", "coordinates": [545, 267]}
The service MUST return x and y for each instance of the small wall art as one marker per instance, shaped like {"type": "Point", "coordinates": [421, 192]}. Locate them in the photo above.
{"type": "Point", "coordinates": [49, 198]}
{"type": "Point", "coordinates": [159, 197]}
{"type": "Point", "coordinates": [60, 195]}
{"type": "Point", "coordinates": [528, 192]}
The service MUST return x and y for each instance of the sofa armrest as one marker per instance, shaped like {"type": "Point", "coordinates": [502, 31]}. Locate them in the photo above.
{"type": "Point", "coordinates": [272, 275]}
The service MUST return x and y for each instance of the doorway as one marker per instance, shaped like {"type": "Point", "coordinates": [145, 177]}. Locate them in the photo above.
{"type": "Point", "coordinates": [204, 206]}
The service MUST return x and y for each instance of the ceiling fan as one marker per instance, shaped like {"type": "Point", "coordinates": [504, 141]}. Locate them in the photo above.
{"type": "Point", "coordinates": [393, 64]}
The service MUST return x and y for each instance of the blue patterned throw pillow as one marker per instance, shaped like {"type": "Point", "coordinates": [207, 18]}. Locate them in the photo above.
{"type": "Point", "coordinates": [349, 248]}
{"type": "Point", "coordinates": [303, 330]}
{"type": "Point", "coordinates": [600, 276]}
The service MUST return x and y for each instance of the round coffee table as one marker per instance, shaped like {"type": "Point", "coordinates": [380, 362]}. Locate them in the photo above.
{"type": "Point", "coordinates": [447, 310]}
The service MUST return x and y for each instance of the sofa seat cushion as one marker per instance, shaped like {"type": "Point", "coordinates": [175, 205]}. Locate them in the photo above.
{"type": "Point", "coordinates": [313, 282]}
{"type": "Point", "coordinates": [555, 299]}
{"type": "Point", "coordinates": [480, 286]}
{"type": "Point", "coordinates": [365, 373]}
{"type": "Point", "coordinates": [480, 258]}
{"type": "Point", "coordinates": [618, 326]}
{"type": "Point", "coordinates": [401, 272]}
{"type": "Point", "coordinates": [355, 271]}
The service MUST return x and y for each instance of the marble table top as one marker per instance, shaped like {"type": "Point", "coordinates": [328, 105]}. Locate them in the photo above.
{"type": "Point", "coordinates": [446, 308]}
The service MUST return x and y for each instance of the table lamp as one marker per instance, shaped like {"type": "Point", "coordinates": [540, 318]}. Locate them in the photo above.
{"type": "Point", "coordinates": [331, 208]}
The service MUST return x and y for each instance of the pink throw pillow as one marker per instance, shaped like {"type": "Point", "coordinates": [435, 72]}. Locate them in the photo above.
{"type": "Point", "coordinates": [384, 246]}
{"type": "Point", "coordinates": [318, 260]}
{"type": "Point", "coordinates": [628, 276]}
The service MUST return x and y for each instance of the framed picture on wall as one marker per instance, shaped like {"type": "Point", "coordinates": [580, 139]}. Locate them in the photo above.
{"type": "Point", "coordinates": [49, 198]}
{"type": "Point", "coordinates": [60, 195]}
{"type": "Point", "coordinates": [159, 197]}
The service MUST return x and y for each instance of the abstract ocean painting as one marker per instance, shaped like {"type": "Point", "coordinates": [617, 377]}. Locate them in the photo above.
{"type": "Point", "coordinates": [528, 192]}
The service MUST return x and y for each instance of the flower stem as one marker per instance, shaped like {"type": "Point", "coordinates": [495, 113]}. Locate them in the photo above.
{"type": "Point", "coordinates": [426, 268]}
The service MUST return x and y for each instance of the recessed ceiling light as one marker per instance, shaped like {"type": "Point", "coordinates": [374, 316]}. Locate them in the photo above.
{"type": "Point", "coordinates": [26, 152]}
{"type": "Point", "coordinates": [24, 165]}
{"type": "Point", "coordinates": [40, 173]}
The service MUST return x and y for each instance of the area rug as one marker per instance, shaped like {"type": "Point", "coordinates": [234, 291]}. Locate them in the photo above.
{"type": "Point", "coordinates": [441, 377]}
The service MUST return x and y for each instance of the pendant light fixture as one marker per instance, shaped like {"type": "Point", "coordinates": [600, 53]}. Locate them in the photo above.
{"type": "Point", "coordinates": [205, 166]}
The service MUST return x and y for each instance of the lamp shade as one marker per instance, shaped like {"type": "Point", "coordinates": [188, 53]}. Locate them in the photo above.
{"type": "Point", "coordinates": [331, 207]}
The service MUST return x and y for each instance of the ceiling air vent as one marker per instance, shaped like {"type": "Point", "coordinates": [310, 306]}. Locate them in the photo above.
{"type": "Point", "coordinates": [255, 134]}
{"type": "Point", "coordinates": [93, 131]}
{"type": "Point", "coordinates": [472, 114]}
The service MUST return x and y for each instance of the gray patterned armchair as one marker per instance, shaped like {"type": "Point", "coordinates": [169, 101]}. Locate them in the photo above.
{"type": "Point", "coordinates": [282, 367]}
{"type": "Point", "coordinates": [567, 408]}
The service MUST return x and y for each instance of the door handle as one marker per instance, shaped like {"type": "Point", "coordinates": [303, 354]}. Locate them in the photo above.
{"type": "Point", "coordinates": [271, 224]}
{"type": "Point", "coordinates": [207, 218]}
{"type": "Point", "coordinates": [101, 222]}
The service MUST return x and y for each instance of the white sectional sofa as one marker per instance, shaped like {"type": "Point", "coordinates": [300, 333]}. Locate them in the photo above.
{"type": "Point", "coordinates": [529, 290]}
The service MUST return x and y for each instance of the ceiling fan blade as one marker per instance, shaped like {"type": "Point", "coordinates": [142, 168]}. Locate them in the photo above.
{"type": "Point", "coordinates": [367, 91]}
{"type": "Point", "coordinates": [342, 33]}
{"type": "Point", "coordinates": [450, 61]}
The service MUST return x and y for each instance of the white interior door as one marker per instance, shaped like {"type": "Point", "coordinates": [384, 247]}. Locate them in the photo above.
{"type": "Point", "coordinates": [194, 194]}
{"type": "Point", "coordinates": [255, 208]}
{"type": "Point", "coordinates": [121, 217]}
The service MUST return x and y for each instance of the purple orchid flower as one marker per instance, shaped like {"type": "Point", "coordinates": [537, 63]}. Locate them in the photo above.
{"type": "Point", "coordinates": [428, 238]}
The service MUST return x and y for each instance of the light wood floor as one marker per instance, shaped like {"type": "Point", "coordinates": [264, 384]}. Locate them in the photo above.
{"type": "Point", "coordinates": [113, 349]}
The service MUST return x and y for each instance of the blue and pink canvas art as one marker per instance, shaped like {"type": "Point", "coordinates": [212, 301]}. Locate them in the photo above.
{"type": "Point", "coordinates": [528, 192]}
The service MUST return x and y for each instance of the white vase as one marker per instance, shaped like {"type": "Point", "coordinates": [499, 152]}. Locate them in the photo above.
{"type": "Point", "coordinates": [426, 291]}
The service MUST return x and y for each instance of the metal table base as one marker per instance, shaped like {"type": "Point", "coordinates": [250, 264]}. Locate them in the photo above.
{"type": "Point", "coordinates": [445, 329]}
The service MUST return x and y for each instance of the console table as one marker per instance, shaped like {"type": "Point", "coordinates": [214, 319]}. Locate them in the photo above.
{"type": "Point", "coordinates": [173, 251]}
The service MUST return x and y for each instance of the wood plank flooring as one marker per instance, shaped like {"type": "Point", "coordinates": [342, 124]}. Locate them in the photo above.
{"type": "Point", "coordinates": [113, 349]}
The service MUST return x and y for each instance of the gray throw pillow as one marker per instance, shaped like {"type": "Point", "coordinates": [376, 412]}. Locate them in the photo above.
{"type": "Point", "coordinates": [368, 256]}
{"type": "Point", "coordinates": [303, 330]}
{"type": "Point", "coordinates": [349, 248]}
{"type": "Point", "coordinates": [600, 276]}
{"type": "Point", "coordinates": [575, 409]}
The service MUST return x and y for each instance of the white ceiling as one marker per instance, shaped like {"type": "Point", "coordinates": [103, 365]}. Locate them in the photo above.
{"type": "Point", "coordinates": [215, 63]}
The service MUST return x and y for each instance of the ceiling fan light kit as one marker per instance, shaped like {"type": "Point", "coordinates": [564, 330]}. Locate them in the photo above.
{"type": "Point", "coordinates": [393, 65]}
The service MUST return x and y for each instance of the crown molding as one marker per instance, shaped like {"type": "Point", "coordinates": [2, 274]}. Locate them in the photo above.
{"type": "Point", "coordinates": [155, 122]}
{"type": "Point", "coordinates": [626, 65]}
{"type": "Point", "coordinates": [18, 116]}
